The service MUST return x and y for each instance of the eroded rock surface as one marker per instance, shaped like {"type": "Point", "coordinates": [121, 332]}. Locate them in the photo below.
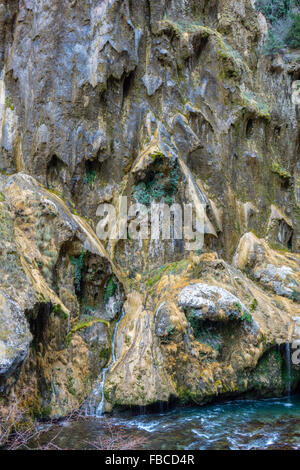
{"type": "Point", "coordinates": [216, 333]}
{"type": "Point", "coordinates": [53, 268]}
{"type": "Point", "coordinates": [165, 101]}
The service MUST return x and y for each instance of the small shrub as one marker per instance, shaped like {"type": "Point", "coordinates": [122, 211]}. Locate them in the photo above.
{"type": "Point", "coordinates": [273, 43]}
{"type": "Point", "coordinates": [70, 385]}
{"type": "Point", "coordinates": [284, 24]}
{"type": "Point", "coordinates": [141, 195]}
{"type": "Point", "coordinates": [117, 438]}
{"type": "Point", "coordinates": [274, 10]}
{"type": "Point", "coordinates": [238, 307]}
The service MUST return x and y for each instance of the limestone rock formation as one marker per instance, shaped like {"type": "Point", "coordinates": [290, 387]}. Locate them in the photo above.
{"type": "Point", "coordinates": [168, 101]}
{"type": "Point", "coordinates": [216, 333]}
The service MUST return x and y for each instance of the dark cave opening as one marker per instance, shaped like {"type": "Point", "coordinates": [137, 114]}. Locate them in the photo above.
{"type": "Point", "coordinates": [128, 83]}
{"type": "Point", "coordinates": [285, 234]}
{"type": "Point", "coordinates": [38, 322]}
{"type": "Point", "coordinates": [249, 128]}
{"type": "Point", "coordinates": [198, 43]}
{"type": "Point", "coordinates": [290, 243]}
{"type": "Point", "coordinates": [54, 176]}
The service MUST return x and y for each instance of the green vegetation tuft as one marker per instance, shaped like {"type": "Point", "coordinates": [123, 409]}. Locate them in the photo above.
{"type": "Point", "coordinates": [86, 323]}
{"type": "Point", "coordinates": [247, 317]}
{"type": "Point", "coordinates": [157, 188]}
{"type": "Point", "coordinates": [275, 10]}
{"type": "Point", "coordinates": [156, 277]}
{"type": "Point", "coordinates": [184, 26]}
{"type": "Point", "coordinates": [253, 305]}
{"type": "Point", "coordinates": [8, 103]}
{"type": "Point", "coordinates": [90, 177]}
{"type": "Point", "coordinates": [280, 171]}
{"type": "Point", "coordinates": [155, 155]}
{"type": "Point", "coordinates": [105, 353]}
{"type": "Point", "coordinates": [70, 385]}
{"type": "Point", "coordinates": [110, 289]}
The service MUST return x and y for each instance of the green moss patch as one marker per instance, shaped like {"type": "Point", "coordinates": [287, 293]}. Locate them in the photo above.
{"type": "Point", "coordinates": [280, 171]}
{"type": "Point", "coordinates": [58, 311]}
{"type": "Point", "coordinates": [255, 104]}
{"type": "Point", "coordinates": [167, 269]}
{"type": "Point", "coordinates": [8, 103]}
{"type": "Point", "coordinates": [231, 61]}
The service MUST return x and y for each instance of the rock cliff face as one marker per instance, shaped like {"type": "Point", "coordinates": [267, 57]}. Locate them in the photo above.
{"type": "Point", "coordinates": [170, 101]}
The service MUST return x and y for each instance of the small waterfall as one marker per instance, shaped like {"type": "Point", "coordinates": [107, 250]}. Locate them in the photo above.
{"type": "Point", "coordinates": [98, 391]}
{"type": "Point", "coordinates": [288, 365]}
{"type": "Point", "coordinates": [100, 408]}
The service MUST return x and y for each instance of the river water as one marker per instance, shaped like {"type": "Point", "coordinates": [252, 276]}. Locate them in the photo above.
{"type": "Point", "coordinates": [259, 424]}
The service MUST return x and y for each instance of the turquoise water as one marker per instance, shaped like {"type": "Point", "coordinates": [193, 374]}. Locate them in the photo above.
{"type": "Point", "coordinates": [260, 424]}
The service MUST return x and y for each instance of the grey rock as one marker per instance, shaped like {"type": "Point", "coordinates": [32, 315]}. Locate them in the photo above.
{"type": "Point", "coordinates": [15, 338]}
{"type": "Point", "coordinates": [211, 302]}
{"type": "Point", "coordinates": [152, 83]}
